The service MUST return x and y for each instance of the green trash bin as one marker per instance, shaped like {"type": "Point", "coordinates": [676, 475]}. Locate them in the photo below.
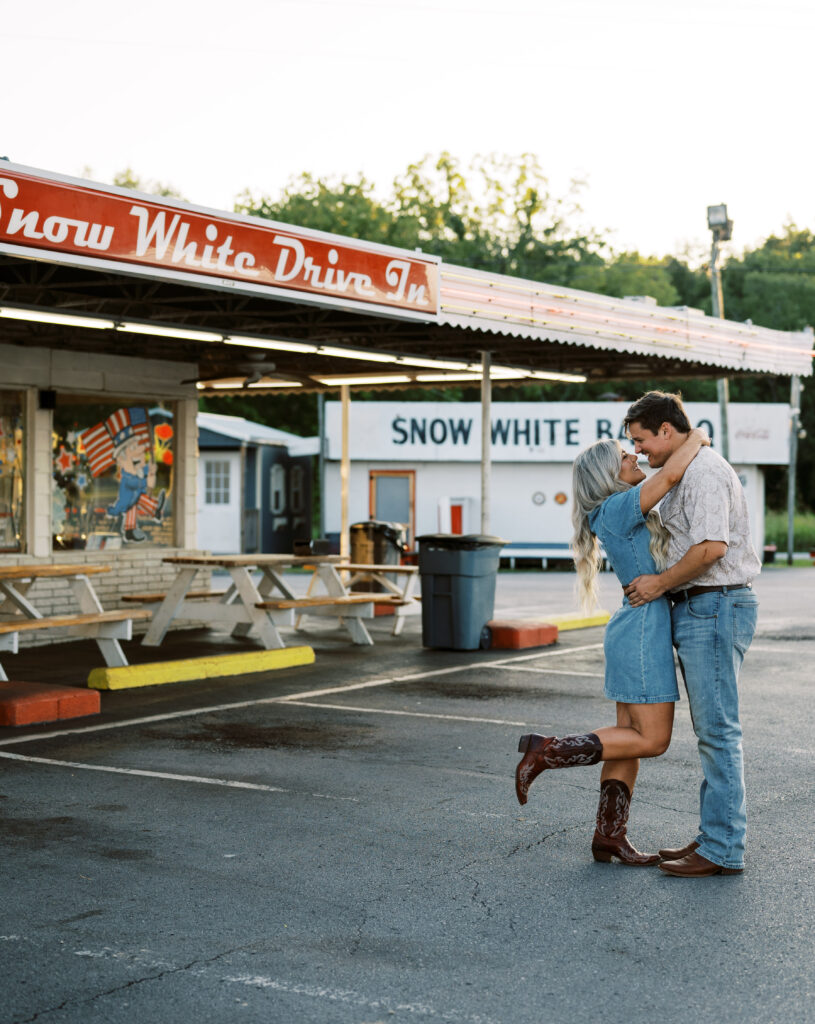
{"type": "Point", "coordinates": [457, 574]}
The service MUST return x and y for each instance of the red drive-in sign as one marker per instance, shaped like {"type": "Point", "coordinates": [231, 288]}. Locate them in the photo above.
{"type": "Point", "coordinates": [71, 218]}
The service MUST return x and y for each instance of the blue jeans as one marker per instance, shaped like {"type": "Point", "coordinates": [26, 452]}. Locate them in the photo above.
{"type": "Point", "coordinates": [711, 634]}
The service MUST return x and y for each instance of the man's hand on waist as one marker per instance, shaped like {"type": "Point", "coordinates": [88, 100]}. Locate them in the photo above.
{"type": "Point", "coordinates": [644, 589]}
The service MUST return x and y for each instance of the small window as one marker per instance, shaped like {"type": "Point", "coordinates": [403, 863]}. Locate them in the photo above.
{"type": "Point", "coordinates": [278, 483]}
{"type": "Point", "coordinates": [297, 496]}
{"type": "Point", "coordinates": [216, 482]}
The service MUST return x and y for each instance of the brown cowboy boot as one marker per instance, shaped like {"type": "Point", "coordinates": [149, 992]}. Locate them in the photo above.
{"type": "Point", "coordinates": [610, 842]}
{"type": "Point", "coordinates": [679, 853]}
{"type": "Point", "coordinates": [541, 752]}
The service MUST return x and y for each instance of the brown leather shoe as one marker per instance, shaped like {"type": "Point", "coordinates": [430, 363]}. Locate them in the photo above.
{"type": "Point", "coordinates": [679, 854]}
{"type": "Point", "coordinates": [695, 866]}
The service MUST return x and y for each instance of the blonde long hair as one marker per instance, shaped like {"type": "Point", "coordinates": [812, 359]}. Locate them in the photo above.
{"type": "Point", "coordinates": [596, 476]}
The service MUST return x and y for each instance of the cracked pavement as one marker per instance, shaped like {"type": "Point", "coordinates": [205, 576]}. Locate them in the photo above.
{"type": "Point", "coordinates": [383, 870]}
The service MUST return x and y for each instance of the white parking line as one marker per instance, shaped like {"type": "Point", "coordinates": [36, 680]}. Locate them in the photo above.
{"type": "Point", "coordinates": [381, 1005]}
{"type": "Point", "coordinates": [213, 708]}
{"type": "Point", "coordinates": [138, 771]}
{"type": "Point", "coordinates": [541, 654]}
{"type": "Point", "coordinates": [405, 714]}
{"type": "Point", "coordinates": [375, 682]}
{"type": "Point", "coordinates": [229, 783]}
{"type": "Point", "coordinates": [552, 671]}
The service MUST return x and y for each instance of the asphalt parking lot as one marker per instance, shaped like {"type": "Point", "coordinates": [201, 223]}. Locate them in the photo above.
{"type": "Point", "coordinates": [339, 843]}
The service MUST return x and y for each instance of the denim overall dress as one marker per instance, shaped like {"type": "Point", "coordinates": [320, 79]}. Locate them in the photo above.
{"type": "Point", "coordinates": [637, 644]}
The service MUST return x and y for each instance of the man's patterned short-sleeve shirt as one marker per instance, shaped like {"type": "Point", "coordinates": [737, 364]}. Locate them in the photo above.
{"type": "Point", "coordinates": [709, 503]}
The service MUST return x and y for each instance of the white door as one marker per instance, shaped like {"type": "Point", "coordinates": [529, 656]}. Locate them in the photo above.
{"type": "Point", "coordinates": [219, 502]}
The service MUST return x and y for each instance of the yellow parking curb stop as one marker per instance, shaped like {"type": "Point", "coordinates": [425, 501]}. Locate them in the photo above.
{"type": "Point", "coordinates": [575, 620]}
{"type": "Point", "coordinates": [127, 676]}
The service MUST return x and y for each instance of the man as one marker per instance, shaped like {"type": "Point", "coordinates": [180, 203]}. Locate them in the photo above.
{"type": "Point", "coordinates": [712, 563]}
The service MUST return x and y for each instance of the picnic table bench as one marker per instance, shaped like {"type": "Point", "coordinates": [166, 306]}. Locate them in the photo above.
{"type": "Point", "coordinates": [401, 591]}
{"type": "Point", "coordinates": [258, 607]}
{"type": "Point", "coordinates": [107, 628]}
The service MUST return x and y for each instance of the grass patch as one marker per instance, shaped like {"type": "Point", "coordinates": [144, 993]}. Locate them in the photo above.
{"type": "Point", "coordinates": [775, 530]}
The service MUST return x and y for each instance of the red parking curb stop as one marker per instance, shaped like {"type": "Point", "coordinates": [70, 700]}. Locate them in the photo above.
{"type": "Point", "coordinates": [30, 703]}
{"type": "Point", "coordinates": [515, 634]}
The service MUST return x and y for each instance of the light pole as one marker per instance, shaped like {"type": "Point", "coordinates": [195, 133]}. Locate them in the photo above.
{"type": "Point", "coordinates": [795, 430]}
{"type": "Point", "coordinates": [722, 230]}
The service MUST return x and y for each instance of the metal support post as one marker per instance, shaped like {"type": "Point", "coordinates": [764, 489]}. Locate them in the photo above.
{"type": "Point", "coordinates": [345, 473]}
{"type": "Point", "coordinates": [321, 462]}
{"type": "Point", "coordinates": [486, 439]}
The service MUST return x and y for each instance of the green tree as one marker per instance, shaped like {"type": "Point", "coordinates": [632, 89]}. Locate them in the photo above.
{"type": "Point", "coordinates": [500, 215]}
{"type": "Point", "coordinates": [295, 413]}
{"type": "Point", "coordinates": [347, 208]}
{"type": "Point", "coordinates": [692, 285]}
{"type": "Point", "coordinates": [773, 285]}
{"type": "Point", "coordinates": [628, 273]}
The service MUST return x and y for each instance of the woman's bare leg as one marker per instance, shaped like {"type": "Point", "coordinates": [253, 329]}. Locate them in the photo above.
{"type": "Point", "coordinates": [625, 769]}
{"type": "Point", "coordinates": [642, 730]}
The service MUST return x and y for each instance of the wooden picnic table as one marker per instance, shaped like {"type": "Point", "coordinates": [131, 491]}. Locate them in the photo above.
{"type": "Point", "coordinates": [107, 628]}
{"type": "Point", "coordinates": [262, 606]}
{"type": "Point", "coordinates": [397, 580]}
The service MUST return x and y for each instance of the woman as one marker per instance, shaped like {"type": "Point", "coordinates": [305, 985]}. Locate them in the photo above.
{"type": "Point", "coordinates": [614, 507]}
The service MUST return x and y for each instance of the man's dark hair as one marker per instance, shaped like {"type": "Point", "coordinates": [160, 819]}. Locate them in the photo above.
{"type": "Point", "coordinates": [656, 408]}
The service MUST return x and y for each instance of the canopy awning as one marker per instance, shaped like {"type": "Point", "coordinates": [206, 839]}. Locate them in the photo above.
{"type": "Point", "coordinates": [276, 308]}
{"type": "Point", "coordinates": [637, 328]}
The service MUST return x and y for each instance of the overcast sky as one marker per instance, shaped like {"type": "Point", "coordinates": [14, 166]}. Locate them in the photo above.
{"type": "Point", "coordinates": [663, 108]}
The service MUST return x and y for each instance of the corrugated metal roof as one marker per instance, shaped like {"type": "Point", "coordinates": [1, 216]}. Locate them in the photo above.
{"type": "Point", "coordinates": [240, 429]}
{"type": "Point", "coordinates": [498, 304]}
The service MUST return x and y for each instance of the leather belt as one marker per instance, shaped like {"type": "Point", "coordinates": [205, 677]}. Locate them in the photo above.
{"type": "Point", "coordinates": [678, 596]}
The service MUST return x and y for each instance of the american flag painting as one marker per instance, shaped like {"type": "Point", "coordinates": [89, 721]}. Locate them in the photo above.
{"type": "Point", "coordinates": [102, 441]}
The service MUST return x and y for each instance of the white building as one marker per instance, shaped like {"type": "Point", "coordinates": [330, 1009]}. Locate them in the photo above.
{"type": "Point", "coordinates": [419, 463]}
{"type": "Point", "coordinates": [254, 485]}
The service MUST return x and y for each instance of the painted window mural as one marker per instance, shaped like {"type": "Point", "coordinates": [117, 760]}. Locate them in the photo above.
{"type": "Point", "coordinates": [12, 519]}
{"type": "Point", "coordinates": [112, 475]}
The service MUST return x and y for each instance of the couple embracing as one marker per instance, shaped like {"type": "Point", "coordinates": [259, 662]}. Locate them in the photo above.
{"type": "Point", "coordinates": [686, 573]}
